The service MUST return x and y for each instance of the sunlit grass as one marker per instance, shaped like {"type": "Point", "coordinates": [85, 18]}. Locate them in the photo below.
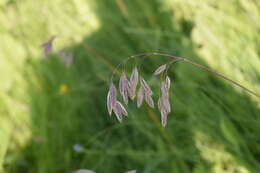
{"type": "Point", "coordinates": [24, 26]}
{"type": "Point", "coordinates": [226, 38]}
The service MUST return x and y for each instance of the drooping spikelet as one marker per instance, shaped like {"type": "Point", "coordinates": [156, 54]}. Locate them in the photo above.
{"type": "Point", "coordinates": [163, 102]}
{"type": "Point", "coordinates": [111, 98]}
{"type": "Point", "coordinates": [160, 69]}
{"type": "Point", "coordinates": [133, 83]}
{"type": "Point", "coordinates": [119, 110]}
{"type": "Point", "coordinates": [140, 96]}
{"type": "Point", "coordinates": [123, 87]}
{"type": "Point", "coordinates": [147, 93]}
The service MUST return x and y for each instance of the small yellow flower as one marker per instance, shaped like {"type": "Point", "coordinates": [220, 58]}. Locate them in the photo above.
{"type": "Point", "coordinates": [64, 89]}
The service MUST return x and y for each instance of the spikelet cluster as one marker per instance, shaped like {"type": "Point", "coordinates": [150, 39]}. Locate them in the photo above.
{"type": "Point", "coordinates": [128, 89]}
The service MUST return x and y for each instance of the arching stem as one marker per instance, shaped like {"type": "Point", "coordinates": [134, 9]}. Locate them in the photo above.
{"type": "Point", "coordinates": [177, 59]}
{"type": "Point", "coordinates": [221, 76]}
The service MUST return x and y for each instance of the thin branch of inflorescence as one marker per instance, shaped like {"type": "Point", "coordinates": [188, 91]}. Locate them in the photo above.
{"type": "Point", "coordinates": [177, 59]}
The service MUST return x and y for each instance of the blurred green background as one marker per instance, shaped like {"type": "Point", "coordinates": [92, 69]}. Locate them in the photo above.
{"type": "Point", "coordinates": [47, 108]}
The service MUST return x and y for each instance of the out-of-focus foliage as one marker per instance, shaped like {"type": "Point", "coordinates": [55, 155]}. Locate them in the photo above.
{"type": "Point", "coordinates": [47, 108]}
{"type": "Point", "coordinates": [227, 33]}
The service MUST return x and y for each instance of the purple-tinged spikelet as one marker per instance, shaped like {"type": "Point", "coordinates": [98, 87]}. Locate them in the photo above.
{"type": "Point", "coordinates": [146, 87]}
{"type": "Point", "coordinates": [164, 89]}
{"type": "Point", "coordinates": [164, 117]}
{"type": "Point", "coordinates": [133, 83]}
{"type": "Point", "coordinates": [123, 86]}
{"type": "Point", "coordinates": [163, 111]}
{"type": "Point", "coordinates": [166, 103]}
{"type": "Point", "coordinates": [111, 98]}
{"type": "Point", "coordinates": [163, 101]}
{"type": "Point", "coordinates": [140, 96]}
{"type": "Point", "coordinates": [160, 69]}
{"type": "Point", "coordinates": [147, 93]}
{"type": "Point", "coordinates": [119, 110]}
{"type": "Point", "coordinates": [148, 99]}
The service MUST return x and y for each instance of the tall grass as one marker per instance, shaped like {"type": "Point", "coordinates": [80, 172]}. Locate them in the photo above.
{"type": "Point", "coordinates": [213, 126]}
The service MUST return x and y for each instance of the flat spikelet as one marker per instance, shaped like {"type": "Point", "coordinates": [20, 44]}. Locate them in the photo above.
{"type": "Point", "coordinates": [160, 69]}
{"type": "Point", "coordinates": [123, 87]}
{"type": "Point", "coordinates": [163, 102]}
{"type": "Point", "coordinates": [146, 86]}
{"type": "Point", "coordinates": [119, 111]}
{"type": "Point", "coordinates": [133, 83]}
{"type": "Point", "coordinates": [140, 97]}
{"type": "Point", "coordinates": [111, 98]}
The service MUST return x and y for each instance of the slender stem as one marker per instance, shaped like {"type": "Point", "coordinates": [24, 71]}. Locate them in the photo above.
{"type": "Point", "coordinates": [197, 65]}
{"type": "Point", "coordinates": [222, 76]}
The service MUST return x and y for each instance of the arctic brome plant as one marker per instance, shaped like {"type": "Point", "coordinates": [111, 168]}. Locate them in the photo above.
{"type": "Point", "coordinates": [128, 87]}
